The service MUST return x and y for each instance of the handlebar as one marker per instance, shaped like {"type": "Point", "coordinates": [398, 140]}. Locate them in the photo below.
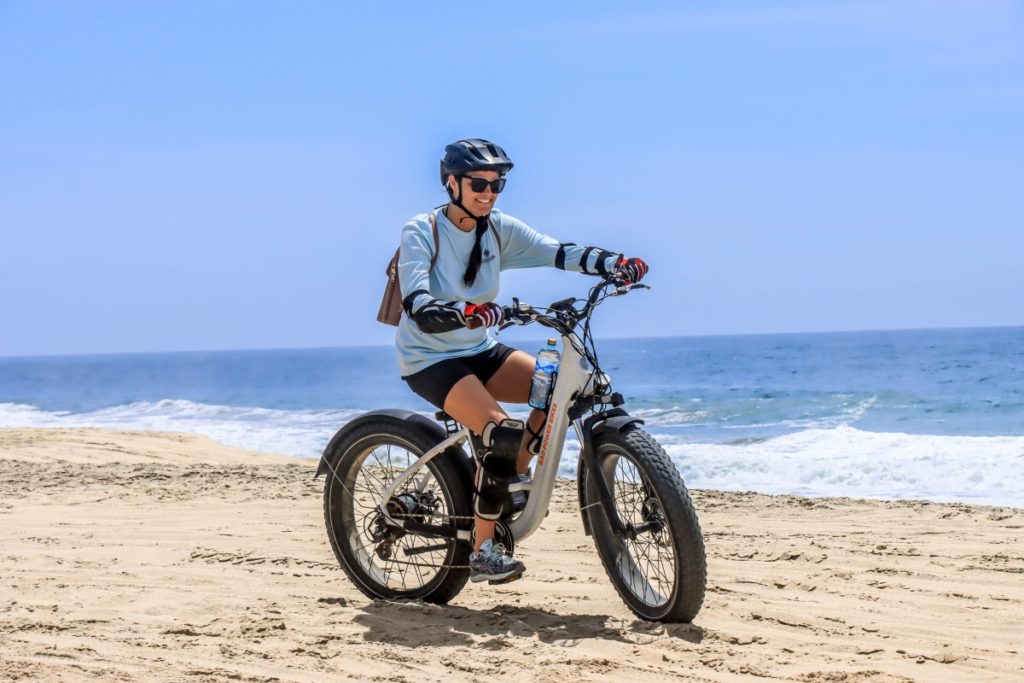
{"type": "Point", "coordinates": [566, 315]}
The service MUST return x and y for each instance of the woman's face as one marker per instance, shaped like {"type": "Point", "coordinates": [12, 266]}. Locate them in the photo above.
{"type": "Point", "coordinates": [479, 203]}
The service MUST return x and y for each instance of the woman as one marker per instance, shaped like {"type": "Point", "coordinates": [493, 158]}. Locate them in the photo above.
{"type": "Point", "coordinates": [445, 351]}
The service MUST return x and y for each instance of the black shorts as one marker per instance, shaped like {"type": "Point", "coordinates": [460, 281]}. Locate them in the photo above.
{"type": "Point", "coordinates": [435, 381]}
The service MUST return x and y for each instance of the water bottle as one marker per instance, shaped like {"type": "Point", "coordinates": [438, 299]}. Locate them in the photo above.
{"type": "Point", "coordinates": [543, 375]}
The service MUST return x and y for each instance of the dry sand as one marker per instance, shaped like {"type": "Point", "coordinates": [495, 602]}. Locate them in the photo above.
{"type": "Point", "coordinates": [130, 556]}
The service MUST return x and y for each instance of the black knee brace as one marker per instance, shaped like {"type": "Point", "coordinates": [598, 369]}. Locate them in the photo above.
{"type": "Point", "coordinates": [497, 450]}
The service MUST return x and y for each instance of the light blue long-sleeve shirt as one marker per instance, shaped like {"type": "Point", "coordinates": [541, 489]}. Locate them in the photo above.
{"type": "Point", "coordinates": [521, 247]}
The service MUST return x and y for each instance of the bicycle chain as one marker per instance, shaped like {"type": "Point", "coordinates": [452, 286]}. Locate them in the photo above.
{"type": "Point", "coordinates": [409, 563]}
{"type": "Point", "coordinates": [426, 516]}
{"type": "Point", "coordinates": [406, 563]}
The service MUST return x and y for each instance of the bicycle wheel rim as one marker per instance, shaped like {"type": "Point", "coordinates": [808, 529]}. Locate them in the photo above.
{"type": "Point", "coordinates": [647, 565]}
{"type": "Point", "coordinates": [377, 462]}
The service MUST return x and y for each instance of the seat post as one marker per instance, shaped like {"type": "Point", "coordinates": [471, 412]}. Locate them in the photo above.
{"type": "Point", "coordinates": [451, 426]}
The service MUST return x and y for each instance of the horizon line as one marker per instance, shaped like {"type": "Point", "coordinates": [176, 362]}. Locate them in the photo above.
{"type": "Point", "coordinates": [615, 338]}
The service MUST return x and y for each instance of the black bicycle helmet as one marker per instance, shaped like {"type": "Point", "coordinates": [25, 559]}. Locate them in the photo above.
{"type": "Point", "coordinates": [473, 154]}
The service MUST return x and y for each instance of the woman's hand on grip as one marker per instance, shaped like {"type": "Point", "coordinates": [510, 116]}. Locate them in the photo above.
{"type": "Point", "coordinates": [487, 314]}
{"type": "Point", "coordinates": [631, 269]}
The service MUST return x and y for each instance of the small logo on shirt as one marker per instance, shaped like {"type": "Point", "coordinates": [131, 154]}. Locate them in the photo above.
{"type": "Point", "coordinates": [487, 256]}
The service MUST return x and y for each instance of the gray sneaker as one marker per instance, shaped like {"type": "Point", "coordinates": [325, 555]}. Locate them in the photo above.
{"type": "Point", "coordinates": [494, 564]}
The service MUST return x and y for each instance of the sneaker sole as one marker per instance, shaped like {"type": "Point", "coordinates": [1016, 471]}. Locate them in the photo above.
{"type": "Point", "coordinates": [498, 582]}
{"type": "Point", "coordinates": [497, 578]}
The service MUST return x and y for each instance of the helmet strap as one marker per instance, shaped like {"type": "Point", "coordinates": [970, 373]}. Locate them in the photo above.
{"type": "Point", "coordinates": [482, 223]}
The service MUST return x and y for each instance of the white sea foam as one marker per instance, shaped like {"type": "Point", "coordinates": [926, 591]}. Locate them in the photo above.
{"type": "Point", "coordinates": [844, 461]}
{"type": "Point", "coordinates": [302, 433]}
{"type": "Point", "coordinates": [846, 411]}
{"type": "Point", "coordinates": [674, 416]}
{"type": "Point", "coordinates": [835, 461]}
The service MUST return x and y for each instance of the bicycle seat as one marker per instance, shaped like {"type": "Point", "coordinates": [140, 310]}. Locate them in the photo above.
{"type": "Point", "coordinates": [442, 416]}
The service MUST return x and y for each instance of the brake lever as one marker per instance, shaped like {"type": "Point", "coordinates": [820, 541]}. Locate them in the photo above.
{"type": "Point", "coordinates": [515, 314]}
{"type": "Point", "coordinates": [615, 280]}
{"type": "Point", "coordinates": [626, 289]}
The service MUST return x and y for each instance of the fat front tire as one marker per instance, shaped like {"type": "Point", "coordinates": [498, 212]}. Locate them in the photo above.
{"type": "Point", "coordinates": [382, 560]}
{"type": "Point", "coordinates": [661, 574]}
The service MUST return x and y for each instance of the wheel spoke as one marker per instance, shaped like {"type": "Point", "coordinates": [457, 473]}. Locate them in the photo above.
{"type": "Point", "coordinates": [358, 508]}
{"type": "Point", "coordinates": [650, 566]}
{"type": "Point", "coordinates": [650, 500]}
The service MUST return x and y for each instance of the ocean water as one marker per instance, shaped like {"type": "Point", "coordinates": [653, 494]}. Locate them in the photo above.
{"type": "Point", "coordinates": [932, 414]}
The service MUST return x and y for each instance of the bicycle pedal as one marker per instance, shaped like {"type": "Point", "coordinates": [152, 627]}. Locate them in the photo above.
{"type": "Point", "coordinates": [508, 580]}
{"type": "Point", "coordinates": [518, 501]}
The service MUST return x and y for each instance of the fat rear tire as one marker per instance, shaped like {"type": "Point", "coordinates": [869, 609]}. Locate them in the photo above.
{"type": "Point", "coordinates": [364, 462]}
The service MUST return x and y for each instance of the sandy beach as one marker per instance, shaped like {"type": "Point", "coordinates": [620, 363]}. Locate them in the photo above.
{"type": "Point", "coordinates": [144, 556]}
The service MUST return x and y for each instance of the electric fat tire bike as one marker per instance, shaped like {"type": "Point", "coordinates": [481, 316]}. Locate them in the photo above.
{"type": "Point", "coordinates": [397, 495]}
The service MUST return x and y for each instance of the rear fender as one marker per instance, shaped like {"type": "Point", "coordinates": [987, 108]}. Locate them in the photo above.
{"type": "Point", "coordinates": [408, 419]}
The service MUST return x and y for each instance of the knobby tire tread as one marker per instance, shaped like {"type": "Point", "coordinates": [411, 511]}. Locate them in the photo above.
{"type": "Point", "coordinates": [691, 571]}
{"type": "Point", "coordinates": [342, 457]}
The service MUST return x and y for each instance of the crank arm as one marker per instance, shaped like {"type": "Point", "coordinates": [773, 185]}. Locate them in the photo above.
{"type": "Point", "coordinates": [425, 549]}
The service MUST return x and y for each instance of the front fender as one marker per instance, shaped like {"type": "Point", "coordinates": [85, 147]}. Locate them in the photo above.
{"type": "Point", "coordinates": [616, 419]}
{"type": "Point", "coordinates": [407, 418]}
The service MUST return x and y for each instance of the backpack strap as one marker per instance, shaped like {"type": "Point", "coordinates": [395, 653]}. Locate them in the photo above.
{"type": "Point", "coordinates": [437, 243]}
{"type": "Point", "coordinates": [495, 231]}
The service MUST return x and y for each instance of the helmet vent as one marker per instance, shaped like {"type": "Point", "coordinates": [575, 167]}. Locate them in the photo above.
{"type": "Point", "coordinates": [473, 154]}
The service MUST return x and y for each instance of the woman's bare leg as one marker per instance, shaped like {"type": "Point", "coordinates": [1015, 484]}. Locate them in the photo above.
{"type": "Point", "coordinates": [511, 384]}
{"type": "Point", "coordinates": [472, 405]}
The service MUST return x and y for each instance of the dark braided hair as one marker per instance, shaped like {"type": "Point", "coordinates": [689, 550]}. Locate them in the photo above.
{"type": "Point", "coordinates": [461, 157]}
{"type": "Point", "coordinates": [475, 256]}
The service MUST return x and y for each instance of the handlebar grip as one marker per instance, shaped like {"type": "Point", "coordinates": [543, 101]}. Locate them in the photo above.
{"type": "Point", "coordinates": [507, 314]}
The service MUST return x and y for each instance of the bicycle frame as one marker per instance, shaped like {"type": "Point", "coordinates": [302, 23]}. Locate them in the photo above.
{"type": "Point", "coordinates": [572, 379]}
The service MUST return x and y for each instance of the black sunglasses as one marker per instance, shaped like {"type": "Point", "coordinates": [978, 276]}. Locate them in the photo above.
{"type": "Point", "coordinates": [481, 184]}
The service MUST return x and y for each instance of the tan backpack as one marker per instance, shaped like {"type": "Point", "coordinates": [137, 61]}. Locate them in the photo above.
{"type": "Point", "coordinates": [391, 303]}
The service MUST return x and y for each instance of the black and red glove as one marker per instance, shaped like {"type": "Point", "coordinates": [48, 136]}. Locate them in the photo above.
{"type": "Point", "coordinates": [490, 313]}
{"type": "Point", "coordinates": [631, 269]}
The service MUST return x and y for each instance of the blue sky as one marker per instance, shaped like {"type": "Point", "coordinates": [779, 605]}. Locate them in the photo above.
{"type": "Point", "coordinates": [216, 175]}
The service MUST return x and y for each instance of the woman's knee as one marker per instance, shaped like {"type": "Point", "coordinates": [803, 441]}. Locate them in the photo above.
{"type": "Point", "coordinates": [471, 404]}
